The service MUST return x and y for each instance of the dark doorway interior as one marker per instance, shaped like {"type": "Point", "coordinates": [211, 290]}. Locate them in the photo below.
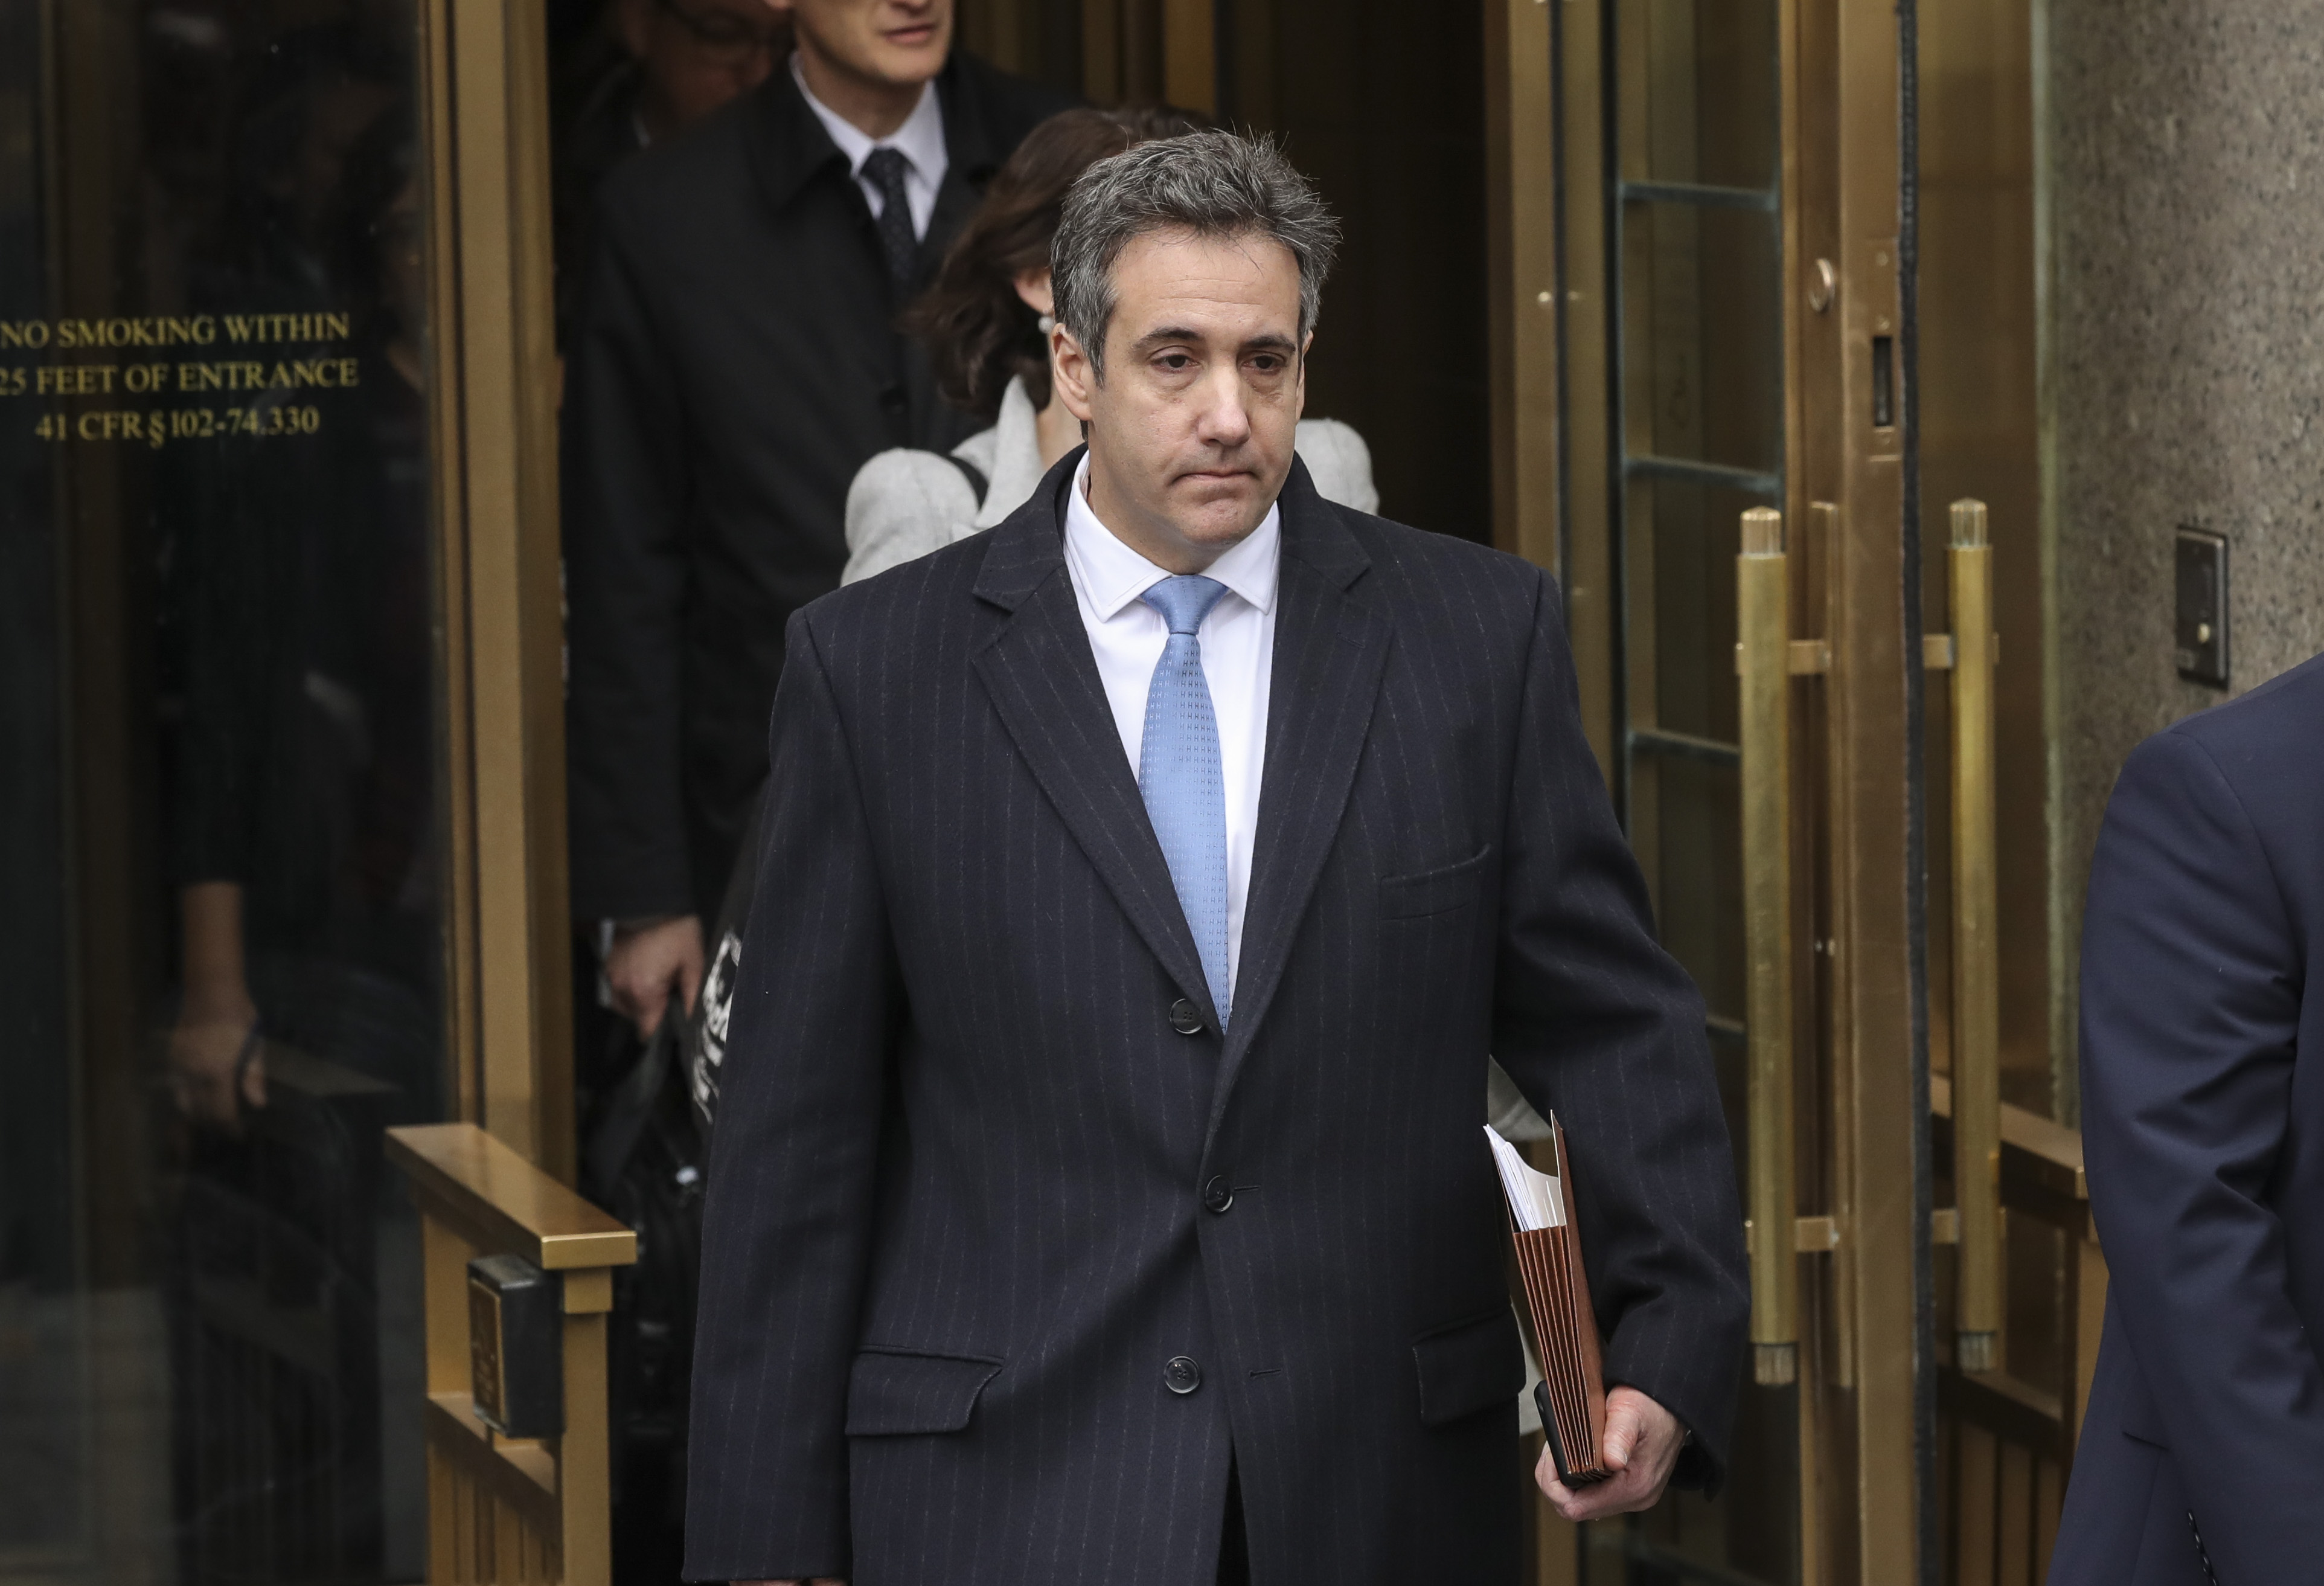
{"type": "Point", "coordinates": [1384, 107]}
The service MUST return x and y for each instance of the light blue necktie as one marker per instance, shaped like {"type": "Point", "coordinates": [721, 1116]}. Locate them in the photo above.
{"type": "Point", "coordinates": [1179, 772]}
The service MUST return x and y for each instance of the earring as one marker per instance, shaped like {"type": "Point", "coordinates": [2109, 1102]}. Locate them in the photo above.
{"type": "Point", "coordinates": [1047, 324]}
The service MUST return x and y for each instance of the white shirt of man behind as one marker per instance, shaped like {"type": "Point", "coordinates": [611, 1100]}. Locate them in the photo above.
{"type": "Point", "coordinates": [920, 141]}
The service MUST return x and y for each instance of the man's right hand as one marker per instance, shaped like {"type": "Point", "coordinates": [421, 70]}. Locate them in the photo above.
{"type": "Point", "coordinates": [648, 963]}
{"type": "Point", "coordinates": [1642, 1446]}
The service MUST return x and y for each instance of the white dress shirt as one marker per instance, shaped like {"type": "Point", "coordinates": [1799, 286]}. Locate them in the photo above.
{"type": "Point", "coordinates": [920, 141]}
{"type": "Point", "coordinates": [1238, 640]}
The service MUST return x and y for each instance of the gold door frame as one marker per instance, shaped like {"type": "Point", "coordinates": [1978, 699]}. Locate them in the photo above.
{"type": "Point", "coordinates": [1861, 1408]}
{"type": "Point", "coordinates": [1859, 1388]}
{"type": "Point", "coordinates": [1535, 480]}
{"type": "Point", "coordinates": [493, 379]}
{"type": "Point", "coordinates": [1913, 1465]}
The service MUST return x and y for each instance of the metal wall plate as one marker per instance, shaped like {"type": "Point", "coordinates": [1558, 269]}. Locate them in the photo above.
{"type": "Point", "coordinates": [2200, 625]}
{"type": "Point", "coordinates": [516, 1346]}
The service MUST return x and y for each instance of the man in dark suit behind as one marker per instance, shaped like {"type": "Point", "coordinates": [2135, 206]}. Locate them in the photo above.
{"type": "Point", "coordinates": [735, 363]}
{"type": "Point", "coordinates": [1099, 1193]}
{"type": "Point", "coordinates": [2202, 1451]}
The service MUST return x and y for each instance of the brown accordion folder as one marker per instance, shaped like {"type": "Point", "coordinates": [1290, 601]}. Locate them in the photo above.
{"type": "Point", "coordinates": [1571, 1393]}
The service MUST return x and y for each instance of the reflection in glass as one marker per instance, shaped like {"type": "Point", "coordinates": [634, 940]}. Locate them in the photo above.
{"type": "Point", "coordinates": [1700, 89]}
{"type": "Point", "coordinates": [1703, 356]}
{"type": "Point", "coordinates": [222, 842]}
{"type": "Point", "coordinates": [1683, 583]}
{"type": "Point", "coordinates": [1687, 816]}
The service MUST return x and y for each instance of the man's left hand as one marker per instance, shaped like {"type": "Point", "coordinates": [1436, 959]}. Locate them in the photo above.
{"type": "Point", "coordinates": [1642, 1444]}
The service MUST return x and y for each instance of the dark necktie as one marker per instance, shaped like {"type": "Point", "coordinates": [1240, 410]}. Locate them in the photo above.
{"type": "Point", "coordinates": [885, 170]}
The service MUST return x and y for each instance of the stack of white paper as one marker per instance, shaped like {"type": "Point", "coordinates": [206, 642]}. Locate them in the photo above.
{"type": "Point", "coordinates": [1534, 1198]}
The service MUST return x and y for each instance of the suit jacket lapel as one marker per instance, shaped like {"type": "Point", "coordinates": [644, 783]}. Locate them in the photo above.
{"type": "Point", "coordinates": [1042, 678]}
{"type": "Point", "coordinates": [787, 146]}
{"type": "Point", "coordinates": [1330, 652]}
{"type": "Point", "coordinates": [971, 157]}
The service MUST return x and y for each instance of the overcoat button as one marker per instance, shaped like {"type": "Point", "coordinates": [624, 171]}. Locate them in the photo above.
{"type": "Point", "coordinates": [1186, 1017]}
{"type": "Point", "coordinates": [1181, 1375]}
{"type": "Point", "coordinates": [1217, 1194]}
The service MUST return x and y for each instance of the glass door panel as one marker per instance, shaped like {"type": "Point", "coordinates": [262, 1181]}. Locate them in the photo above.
{"type": "Point", "coordinates": [222, 791]}
{"type": "Point", "coordinates": [1703, 93]}
{"type": "Point", "coordinates": [1704, 384]}
{"type": "Point", "coordinates": [1692, 222]}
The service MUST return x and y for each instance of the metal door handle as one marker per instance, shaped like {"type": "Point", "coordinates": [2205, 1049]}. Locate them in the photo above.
{"type": "Point", "coordinates": [1762, 663]}
{"type": "Point", "coordinates": [1977, 954]}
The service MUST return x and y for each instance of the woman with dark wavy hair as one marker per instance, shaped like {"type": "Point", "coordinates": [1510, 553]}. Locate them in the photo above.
{"type": "Point", "coordinates": [985, 322]}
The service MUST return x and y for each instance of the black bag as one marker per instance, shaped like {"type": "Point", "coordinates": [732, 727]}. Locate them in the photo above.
{"type": "Point", "coordinates": [644, 1157]}
{"type": "Point", "coordinates": [705, 1032]}
{"type": "Point", "coordinates": [642, 1161]}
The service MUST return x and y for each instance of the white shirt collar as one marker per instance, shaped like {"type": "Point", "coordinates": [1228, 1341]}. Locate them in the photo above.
{"type": "Point", "coordinates": [920, 140]}
{"type": "Point", "coordinates": [1111, 575]}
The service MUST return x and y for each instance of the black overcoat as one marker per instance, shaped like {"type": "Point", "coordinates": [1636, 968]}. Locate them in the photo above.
{"type": "Point", "coordinates": [2202, 1068]}
{"type": "Point", "coordinates": [736, 362]}
{"type": "Point", "coordinates": [973, 1191]}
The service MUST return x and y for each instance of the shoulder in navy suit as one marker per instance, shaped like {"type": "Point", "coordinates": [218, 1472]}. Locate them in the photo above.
{"type": "Point", "coordinates": [2203, 1120]}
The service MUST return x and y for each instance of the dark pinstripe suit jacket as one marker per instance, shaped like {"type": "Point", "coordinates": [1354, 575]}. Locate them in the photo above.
{"type": "Point", "coordinates": [957, 1222]}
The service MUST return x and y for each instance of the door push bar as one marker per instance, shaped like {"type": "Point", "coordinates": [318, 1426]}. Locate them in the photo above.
{"type": "Point", "coordinates": [1764, 668]}
{"type": "Point", "coordinates": [1972, 650]}
{"type": "Point", "coordinates": [1766, 657]}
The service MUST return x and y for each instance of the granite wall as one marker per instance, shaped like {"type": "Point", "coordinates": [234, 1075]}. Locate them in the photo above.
{"type": "Point", "coordinates": [2184, 175]}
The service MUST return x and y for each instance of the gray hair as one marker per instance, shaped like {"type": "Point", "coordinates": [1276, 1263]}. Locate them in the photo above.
{"type": "Point", "coordinates": [1212, 184]}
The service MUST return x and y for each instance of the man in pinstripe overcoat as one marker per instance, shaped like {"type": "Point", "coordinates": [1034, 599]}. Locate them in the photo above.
{"type": "Point", "coordinates": [1098, 1194]}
